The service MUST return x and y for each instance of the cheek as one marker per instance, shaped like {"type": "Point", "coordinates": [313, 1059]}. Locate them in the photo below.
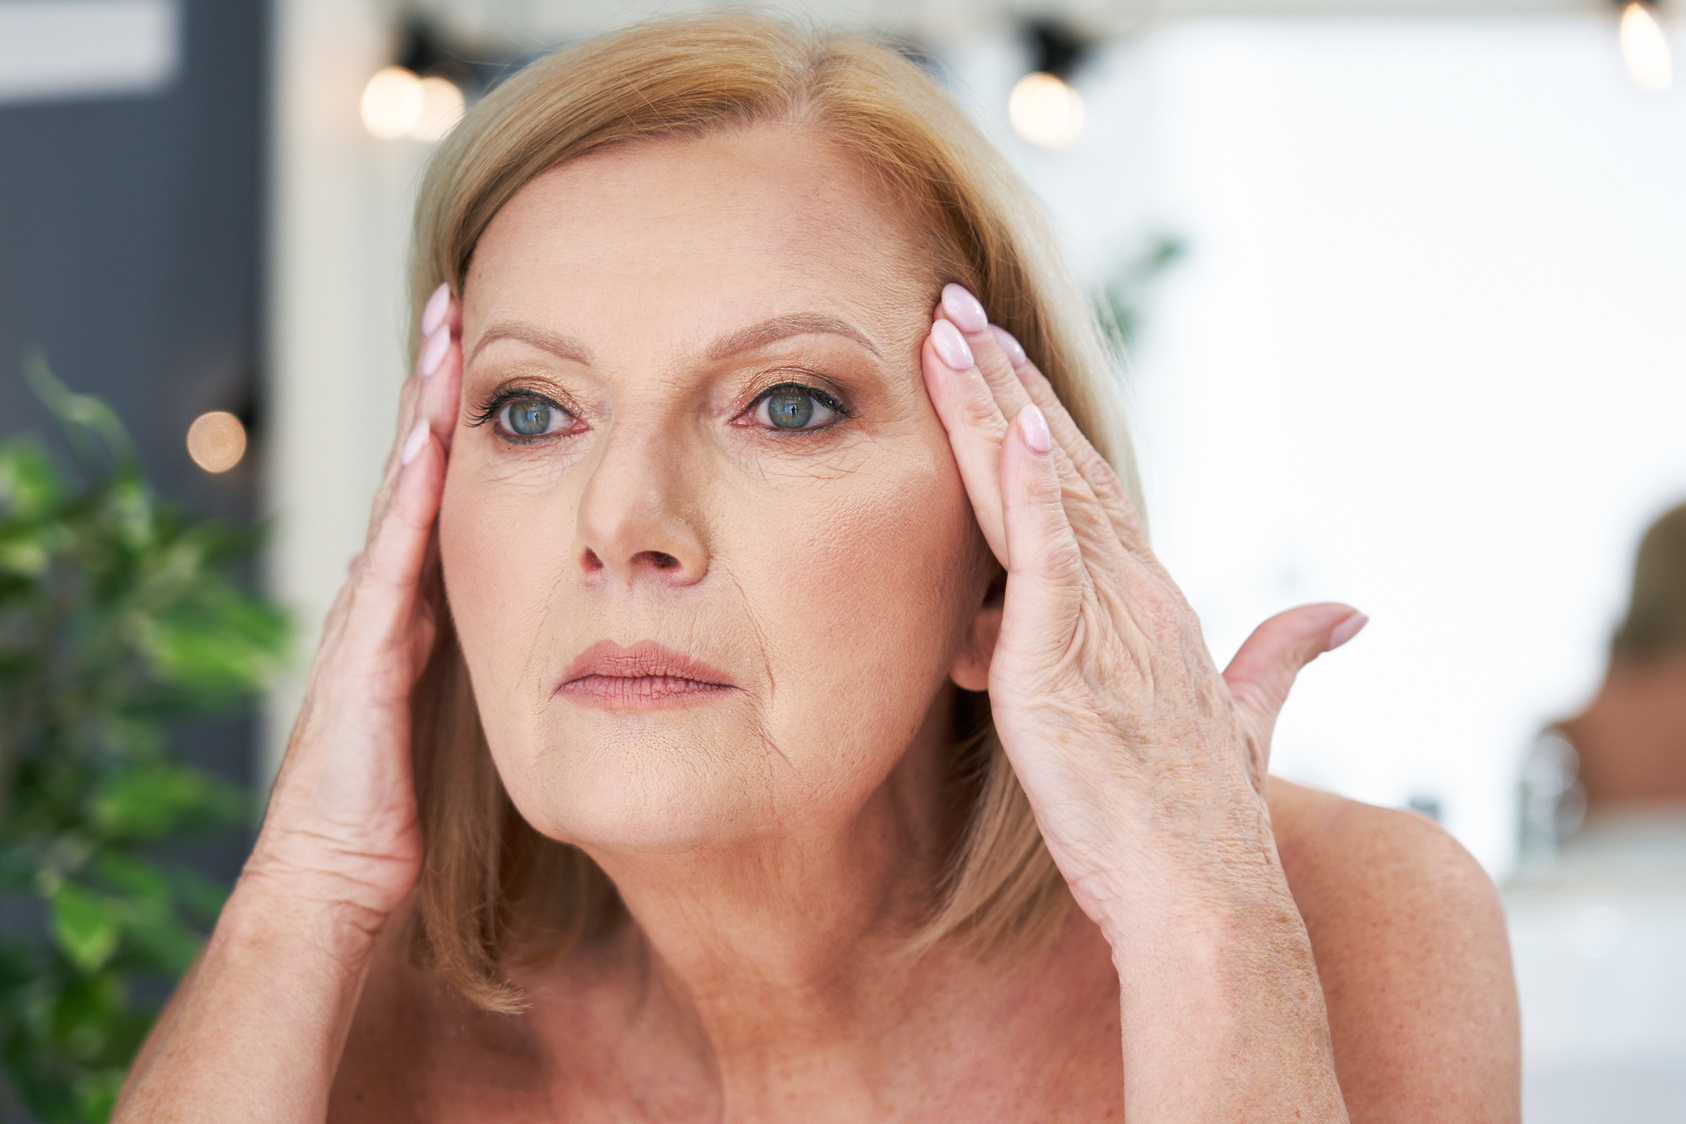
{"type": "Point", "coordinates": [864, 603]}
{"type": "Point", "coordinates": [496, 566]}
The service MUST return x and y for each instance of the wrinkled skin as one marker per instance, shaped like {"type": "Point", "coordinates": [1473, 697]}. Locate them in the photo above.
{"type": "Point", "coordinates": [590, 434]}
{"type": "Point", "coordinates": [791, 557]}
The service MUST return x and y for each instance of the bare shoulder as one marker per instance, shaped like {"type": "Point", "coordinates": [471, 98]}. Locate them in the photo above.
{"type": "Point", "coordinates": [418, 1051]}
{"type": "Point", "coordinates": [1411, 947]}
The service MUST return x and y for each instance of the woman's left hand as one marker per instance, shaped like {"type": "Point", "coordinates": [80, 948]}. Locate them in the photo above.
{"type": "Point", "coordinates": [1143, 765]}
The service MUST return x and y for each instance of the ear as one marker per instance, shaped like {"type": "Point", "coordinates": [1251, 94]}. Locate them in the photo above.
{"type": "Point", "coordinates": [971, 664]}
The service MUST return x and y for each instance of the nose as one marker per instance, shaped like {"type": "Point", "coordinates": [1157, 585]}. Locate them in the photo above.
{"type": "Point", "coordinates": [638, 519]}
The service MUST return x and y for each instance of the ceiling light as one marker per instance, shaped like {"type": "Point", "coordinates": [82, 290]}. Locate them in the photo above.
{"type": "Point", "coordinates": [1043, 107]}
{"type": "Point", "coordinates": [1645, 48]}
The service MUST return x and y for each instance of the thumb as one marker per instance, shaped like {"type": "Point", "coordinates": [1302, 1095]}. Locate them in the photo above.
{"type": "Point", "coordinates": [1264, 670]}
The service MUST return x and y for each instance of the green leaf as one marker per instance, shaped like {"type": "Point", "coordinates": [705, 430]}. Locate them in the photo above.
{"type": "Point", "coordinates": [85, 926]}
{"type": "Point", "coordinates": [227, 647]}
{"type": "Point", "coordinates": [133, 876]}
{"type": "Point", "coordinates": [159, 938]}
{"type": "Point", "coordinates": [96, 436]}
{"type": "Point", "coordinates": [29, 483]}
{"type": "Point", "coordinates": [88, 1014]}
{"type": "Point", "coordinates": [203, 896]}
{"type": "Point", "coordinates": [153, 801]}
{"type": "Point", "coordinates": [96, 1094]}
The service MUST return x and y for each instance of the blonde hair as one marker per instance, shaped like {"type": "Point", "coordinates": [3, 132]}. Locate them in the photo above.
{"type": "Point", "coordinates": [492, 889]}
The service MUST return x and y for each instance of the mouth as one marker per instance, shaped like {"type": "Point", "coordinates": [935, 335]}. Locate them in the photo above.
{"type": "Point", "coordinates": [646, 676]}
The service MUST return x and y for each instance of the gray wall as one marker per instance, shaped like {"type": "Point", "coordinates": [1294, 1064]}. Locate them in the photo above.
{"type": "Point", "coordinates": [129, 252]}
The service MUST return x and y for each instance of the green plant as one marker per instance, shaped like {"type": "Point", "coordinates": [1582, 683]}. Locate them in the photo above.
{"type": "Point", "coordinates": [119, 616]}
{"type": "Point", "coordinates": [1121, 297]}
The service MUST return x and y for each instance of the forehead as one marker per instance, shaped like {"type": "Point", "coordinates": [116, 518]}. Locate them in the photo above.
{"type": "Point", "coordinates": [751, 215]}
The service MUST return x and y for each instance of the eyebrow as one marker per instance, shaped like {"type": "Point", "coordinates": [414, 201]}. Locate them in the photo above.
{"type": "Point", "coordinates": [560, 345]}
{"type": "Point", "coordinates": [783, 327]}
{"type": "Point", "coordinates": [733, 343]}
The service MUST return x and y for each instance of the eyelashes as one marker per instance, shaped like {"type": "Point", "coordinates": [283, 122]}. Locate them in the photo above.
{"type": "Point", "coordinates": [524, 415]}
{"type": "Point", "coordinates": [791, 407]}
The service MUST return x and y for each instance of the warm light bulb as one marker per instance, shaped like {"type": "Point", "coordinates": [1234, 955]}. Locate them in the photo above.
{"type": "Point", "coordinates": [393, 102]}
{"type": "Point", "coordinates": [441, 109]}
{"type": "Point", "coordinates": [216, 441]}
{"type": "Point", "coordinates": [1645, 48]}
{"type": "Point", "coordinates": [1044, 110]}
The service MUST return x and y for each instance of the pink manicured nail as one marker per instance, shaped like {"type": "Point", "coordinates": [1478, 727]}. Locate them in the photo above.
{"type": "Point", "coordinates": [951, 346]}
{"type": "Point", "coordinates": [433, 351]}
{"type": "Point", "coordinates": [1035, 429]}
{"type": "Point", "coordinates": [1013, 348]}
{"type": "Point", "coordinates": [963, 308]}
{"type": "Point", "coordinates": [437, 305]}
{"type": "Point", "coordinates": [413, 443]}
{"type": "Point", "coordinates": [1346, 630]}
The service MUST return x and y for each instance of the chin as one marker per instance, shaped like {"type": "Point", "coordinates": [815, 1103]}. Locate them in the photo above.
{"type": "Point", "coordinates": [644, 786]}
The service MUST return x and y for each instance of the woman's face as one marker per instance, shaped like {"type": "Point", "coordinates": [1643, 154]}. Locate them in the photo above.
{"type": "Point", "coordinates": [708, 554]}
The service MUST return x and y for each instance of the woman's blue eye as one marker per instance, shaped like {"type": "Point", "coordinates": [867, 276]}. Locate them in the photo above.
{"type": "Point", "coordinates": [793, 408]}
{"type": "Point", "coordinates": [531, 417]}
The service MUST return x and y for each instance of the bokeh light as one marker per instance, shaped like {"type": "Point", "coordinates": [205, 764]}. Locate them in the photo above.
{"type": "Point", "coordinates": [393, 102]}
{"type": "Point", "coordinates": [216, 441]}
{"type": "Point", "coordinates": [1045, 110]}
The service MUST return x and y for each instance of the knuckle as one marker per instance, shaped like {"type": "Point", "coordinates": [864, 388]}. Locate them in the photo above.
{"type": "Point", "coordinates": [978, 408]}
{"type": "Point", "coordinates": [1059, 560]}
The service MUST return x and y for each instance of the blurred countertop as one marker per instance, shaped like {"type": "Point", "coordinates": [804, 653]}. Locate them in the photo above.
{"type": "Point", "coordinates": [1599, 939]}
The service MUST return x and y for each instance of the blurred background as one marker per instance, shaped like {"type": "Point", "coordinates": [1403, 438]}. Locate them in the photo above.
{"type": "Point", "coordinates": [1403, 285]}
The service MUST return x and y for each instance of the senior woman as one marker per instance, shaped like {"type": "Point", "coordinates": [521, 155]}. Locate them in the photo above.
{"type": "Point", "coordinates": [757, 699]}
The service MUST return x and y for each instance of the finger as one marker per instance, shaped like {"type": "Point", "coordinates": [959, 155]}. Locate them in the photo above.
{"type": "Point", "coordinates": [1263, 671]}
{"type": "Point", "coordinates": [437, 311]}
{"type": "Point", "coordinates": [975, 425]}
{"type": "Point", "coordinates": [436, 380]}
{"type": "Point", "coordinates": [960, 308]}
{"type": "Point", "coordinates": [441, 386]}
{"type": "Point", "coordinates": [1047, 580]}
{"type": "Point", "coordinates": [388, 579]}
{"type": "Point", "coordinates": [1108, 490]}
{"type": "Point", "coordinates": [1091, 520]}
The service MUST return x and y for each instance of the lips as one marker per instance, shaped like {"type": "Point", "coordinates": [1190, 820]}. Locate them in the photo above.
{"type": "Point", "coordinates": [645, 676]}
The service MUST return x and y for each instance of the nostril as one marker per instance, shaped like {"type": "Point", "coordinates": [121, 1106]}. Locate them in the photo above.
{"type": "Point", "coordinates": [591, 562]}
{"type": "Point", "coordinates": [663, 561]}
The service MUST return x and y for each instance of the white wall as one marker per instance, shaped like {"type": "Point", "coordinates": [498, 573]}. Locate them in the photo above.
{"type": "Point", "coordinates": [1427, 356]}
{"type": "Point", "coordinates": [340, 207]}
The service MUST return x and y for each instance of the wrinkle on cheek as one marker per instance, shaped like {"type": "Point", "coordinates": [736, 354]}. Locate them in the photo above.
{"type": "Point", "coordinates": [506, 575]}
{"type": "Point", "coordinates": [534, 666]}
{"type": "Point", "coordinates": [764, 733]}
{"type": "Point", "coordinates": [527, 469]}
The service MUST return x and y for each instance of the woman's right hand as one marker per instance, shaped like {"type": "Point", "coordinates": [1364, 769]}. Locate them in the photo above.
{"type": "Point", "coordinates": [342, 825]}
{"type": "Point", "coordinates": [255, 1029]}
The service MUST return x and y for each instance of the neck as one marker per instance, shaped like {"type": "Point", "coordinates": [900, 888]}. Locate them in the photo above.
{"type": "Point", "coordinates": [784, 954]}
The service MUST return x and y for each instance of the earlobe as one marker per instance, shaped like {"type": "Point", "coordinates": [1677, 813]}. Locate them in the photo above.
{"type": "Point", "coordinates": [971, 666]}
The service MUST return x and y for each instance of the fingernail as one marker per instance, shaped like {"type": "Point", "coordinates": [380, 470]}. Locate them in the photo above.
{"type": "Point", "coordinates": [1035, 429]}
{"type": "Point", "coordinates": [413, 443]}
{"type": "Point", "coordinates": [1013, 348]}
{"type": "Point", "coordinates": [433, 351]}
{"type": "Point", "coordinates": [963, 308]}
{"type": "Point", "coordinates": [1346, 630]}
{"type": "Point", "coordinates": [437, 305]}
{"type": "Point", "coordinates": [951, 346]}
